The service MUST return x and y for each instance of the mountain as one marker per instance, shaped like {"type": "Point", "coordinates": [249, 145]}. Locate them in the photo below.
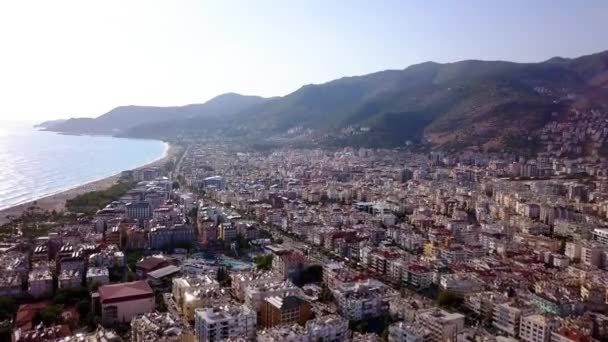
{"type": "Point", "coordinates": [467, 103]}
{"type": "Point", "coordinates": [121, 119]}
{"type": "Point", "coordinates": [49, 124]}
{"type": "Point", "coordinates": [485, 104]}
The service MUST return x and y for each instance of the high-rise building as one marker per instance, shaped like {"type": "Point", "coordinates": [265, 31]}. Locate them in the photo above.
{"type": "Point", "coordinates": [284, 310]}
{"type": "Point", "coordinates": [218, 324]}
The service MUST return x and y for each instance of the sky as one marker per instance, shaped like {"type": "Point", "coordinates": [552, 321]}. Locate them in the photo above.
{"type": "Point", "coordinates": [81, 58]}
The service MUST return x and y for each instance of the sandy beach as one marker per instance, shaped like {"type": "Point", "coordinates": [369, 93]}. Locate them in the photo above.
{"type": "Point", "coordinates": [57, 201]}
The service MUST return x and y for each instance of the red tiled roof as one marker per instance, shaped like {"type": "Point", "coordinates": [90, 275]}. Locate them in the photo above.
{"type": "Point", "coordinates": [125, 291]}
{"type": "Point", "coordinates": [153, 263]}
{"type": "Point", "coordinates": [26, 313]}
{"type": "Point", "coordinates": [418, 268]}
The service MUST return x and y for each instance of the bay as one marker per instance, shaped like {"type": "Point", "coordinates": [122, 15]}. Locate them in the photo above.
{"type": "Point", "coordinates": [35, 164]}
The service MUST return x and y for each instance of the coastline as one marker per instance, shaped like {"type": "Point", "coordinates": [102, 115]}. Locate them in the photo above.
{"type": "Point", "coordinates": [57, 200]}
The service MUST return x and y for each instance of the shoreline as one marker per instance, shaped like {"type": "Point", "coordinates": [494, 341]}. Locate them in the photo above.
{"type": "Point", "coordinates": [56, 201]}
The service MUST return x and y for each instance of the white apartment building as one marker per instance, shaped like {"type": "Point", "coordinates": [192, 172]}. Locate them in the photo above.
{"type": "Point", "coordinates": [98, 275]}
{"type": "Point", "coordinates": [601, 235]}
{"type": "Point", "coordinates": [483, 303]}
{"type": "Point", "coordinates": [417, 276]}
{"type": "Point", "coordinates": [411, 242]}
{"type": "Point", "coordinates": [443, 325]}
{"type": "Point", "coordinates": [218, 324]}
{"type": "Point", "coordinates": [507, 317]}
{"type": "Point", "coordinates": [139, 210]}
{"type": "Point", "coordinates": [591, 255]}
{"type": "Point", "coordinates": [40, 283]}
{"type": "Point", "coordinates": [256, 293]}
{"type": "Point", "coordinates": [241, 280]}
{"type": "Point", "coordinates": [408, 332]}
{"type": "Point", "coordinates": [328, 328]}
{"type": "Point", "coordinates": [362, 300]}
{"type": "Point", "coordinates": [10, 284]}
{"type": "Point", "coordinates": [69, 279]}
{"type": "Point", "coordinates": [536, 328]}
{"type": "Point", "coordinates": [460, 283]}
{"type": "Point", "coordinates": [573, 251]}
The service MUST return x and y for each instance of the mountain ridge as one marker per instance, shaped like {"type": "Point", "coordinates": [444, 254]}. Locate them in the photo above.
{"type": "Point", "coordinates": [470, 103]}
{"type": "Point", "coordinates": [123, 118]}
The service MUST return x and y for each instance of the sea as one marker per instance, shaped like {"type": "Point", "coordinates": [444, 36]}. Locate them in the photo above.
{"type": "Point", "coordinates": [35, 164]}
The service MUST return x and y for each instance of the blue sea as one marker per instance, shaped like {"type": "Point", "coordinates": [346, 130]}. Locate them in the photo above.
{"type": "Point", "coordinates": [34, 164]}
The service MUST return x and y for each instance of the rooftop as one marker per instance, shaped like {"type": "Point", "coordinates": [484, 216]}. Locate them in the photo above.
{"type": "Point", "coordinates": [125, 291]}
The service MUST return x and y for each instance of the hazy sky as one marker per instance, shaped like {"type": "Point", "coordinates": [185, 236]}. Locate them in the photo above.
{"type": "Point", "coordinates": [82, 58]}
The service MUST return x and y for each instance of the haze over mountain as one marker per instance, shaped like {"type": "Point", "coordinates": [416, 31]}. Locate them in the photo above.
{"type": "Point", "coordinates": [121, 119]}
{"type": "Point", "coordinates": [490, 104]}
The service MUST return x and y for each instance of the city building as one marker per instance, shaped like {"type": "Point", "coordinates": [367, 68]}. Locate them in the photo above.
{"type": "Point", "coordinates": [507, 317]}
{"type": "Point", "coordinates": [537, 328]}
{"type": "Point", "coordinates": [284, 310]}
{"type": "Point", "coordinates": [408, 332]}
{"type": "Point", "coordinates": [121, 302]}
{"type": "Point", "coordinates": [221, 323]}
{"type": "Point", "coordinates": [69, 279]}
{"type": "Point", "coordinates": [98, 275]}
{"type": "Point", "coordinates": [443, 325]}
{"type": "Point", "coordinates": [155, 326]}
{"type": "Point", "coordinates": [362, 300]}
{"type": "Point", "coordinates": [40, 283]}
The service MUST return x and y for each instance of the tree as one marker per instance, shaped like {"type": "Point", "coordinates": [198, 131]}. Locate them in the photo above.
{"type": "Point", "coordinates": [84, 308]}
{"type": "Point", "coordinates": [449, 299]}
{"type": "Point", "coordinates": [133, 257]}
{"type": "Point", "coordinates": [50, 315]}
{"type": "Point", "coordinates": [263, 262]}
{"type": "Point", "coordinates": [193, 213]}
{"type": "Point", "coordinates": [8, 308]}
{"type": "Point", "coordinates": [359, 326]}
{"type": "Point", "coordinates": [90, 321]}
{"type": "Point", "coordinates": [71, 296]}
{"type": "Point", "coordinates": [93, 286]}
{"type": "Point", "coordinates": [161, 306]}
{"type": "Point", "coordinates": [223, 277]}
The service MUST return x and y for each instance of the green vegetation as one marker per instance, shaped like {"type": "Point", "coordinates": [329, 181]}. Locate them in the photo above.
{"type": "Point", "coordinates": [35, 222]}
{"type": "Point", "coordinates": [50, 315]}
{"type": "Point", "coordinates": [161, 306]}
{"type": "Point", "coordinates": [71, 296]}
{"type": "Point", "coordinates": [116, 273]}
{"type": "Point", "coordinates": [360, 326]}
{"type": "Point", "coordinates": [263, 262]}
{"type": "Point", "coordinates": [90, 202]}
{"type": "Point", "coordinates": [84, 308]}
{"type": "Point", "coordinates": [8, 308]}
{"type": "Point", "coordinates": [192, 214]}
{"type": "Point", "coordinates": [449, 300]}
{"type": "Point", "coordinates": [133, 257]}
{"type": "Point", "coordinates": [223, 277]}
